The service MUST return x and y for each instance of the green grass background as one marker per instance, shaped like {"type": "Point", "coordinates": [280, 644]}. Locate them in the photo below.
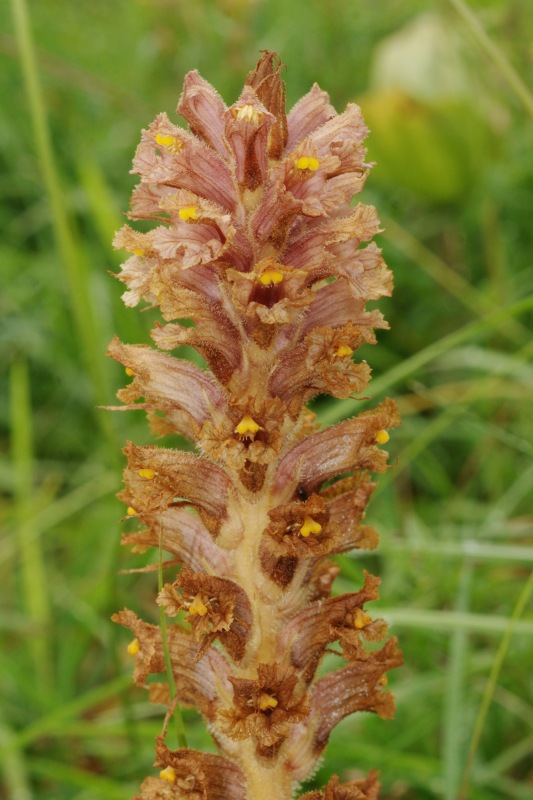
{"type": "Point", "coordinates": [443, 86]}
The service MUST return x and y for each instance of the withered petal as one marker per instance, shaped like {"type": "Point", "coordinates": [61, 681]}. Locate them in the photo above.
{"type": "Point", "coordinates": [198, 683]}
{"type": "Point", "coordinates": [185, 536]}
{"type": "Point", "coordinates": [353, 688]}
{"type": "Point", "coordinates": [218, 777]}
{"type": "Point", "coordinates": [176, 475]}
{"type": "Point", "coordinates": [345, 447]}
{"type": "Point", "coordinates": [307, 634]}
{"type": "Point", "coordinates": [168, 384]}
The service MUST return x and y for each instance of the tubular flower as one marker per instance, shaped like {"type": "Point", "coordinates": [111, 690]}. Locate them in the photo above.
{"type": "Point", "coordinates": [256, 258]}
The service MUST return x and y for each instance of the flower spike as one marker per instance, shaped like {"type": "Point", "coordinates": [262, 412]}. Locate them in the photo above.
{"type": "Point", "coordinates": [255, 257]}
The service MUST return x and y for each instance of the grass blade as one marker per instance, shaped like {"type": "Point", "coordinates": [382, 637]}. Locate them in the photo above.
{"type": "Point", "coordinates": [512, 627]}
{"type": "Point", "coordinates": [34, 581]}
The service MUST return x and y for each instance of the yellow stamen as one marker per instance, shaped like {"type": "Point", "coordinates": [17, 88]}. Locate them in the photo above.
{"type": "Point", "coordinates": [361, 619]}
{"type": "Point", "coordinates": [147, 473]}
{"type": "Point", "coordinates": [247, 425]}
{"type": "Point", "coordinates": [198, 607]}
{"type": "Point", "coordinates": [383, 681]}
{"type": "Point", "coordinates": [344, 350]}
{"type": "Point", "coordinates": [310, 526]}
{"type": "Point", "coordinates": [129, 372]}
{"type": "Point", "coordinates": [382, 437]}
{"type": "Point", "coordinates": [171, 143]}
{"type": "Point", "coordinates": [267, 701]}
{"type": "Point", "coordinates": [133, 647]}
{"type": "Point", "coordinates": [308, 162]}
{"type": "Point", "coordinates": [270, 276]}
{"type": "Point", "coordinates": [138, 251]}
{"type": "Point", "coordinates": [188, 212]}
{"type": "Point", "coordinates": [168, 774]}
{"type": "Point", "coordinates": [247, 113]}
{"type": "Point", "coordinates": [130, 511]}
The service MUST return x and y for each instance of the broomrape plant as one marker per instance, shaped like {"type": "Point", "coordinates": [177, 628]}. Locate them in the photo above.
{"type": "Point", "coordinates": [257, 245]}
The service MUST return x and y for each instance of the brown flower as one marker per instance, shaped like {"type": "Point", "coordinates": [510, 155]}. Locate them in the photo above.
{"type": "Point", "coordinates": [266, 708]}
{"type": "Point", "coordinates": [191, 775]}
{"type": "Point", "coordinates": [301, 529]}
{"type": "Point", "coordinates": [362, 789]}
{"type": "Point", "coordinates": [216, 608]}
{"type": "Point", "coordinates": [199, 683]}
{"type": "Point", "coordinates": [307, 635]}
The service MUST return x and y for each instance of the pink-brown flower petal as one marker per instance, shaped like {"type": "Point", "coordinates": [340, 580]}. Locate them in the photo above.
{"type": "Point", "coordinates": [343, 448]}
{"type": "Point", "coordinates": [185, 536]}
{"type": "Point", "coordinates": [198, 683]}
{"type": "Point", "coordinates": [156, 477]}
{"type": "Point", "coordinates": [203, 108]}
{"type": "Point", "coordinates": [353, 688]}
{"type": "Point", "coordinates": [168, 384]}
{"type": "Point", "coordinates": [307, 634]}
{"type": "Point", "coordinates": [310, 112]}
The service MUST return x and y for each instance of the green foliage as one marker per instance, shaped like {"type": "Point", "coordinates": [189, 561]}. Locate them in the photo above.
{"type": "Point", "coordinates": [445, 95]}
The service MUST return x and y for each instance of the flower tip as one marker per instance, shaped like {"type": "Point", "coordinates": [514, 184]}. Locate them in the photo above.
{"type": "Point", "coordinates": [266, 701]}
{"type": "Point", "coordinates": [187, 213]}
{"type": "Point", "coordinates": [343, 350]}
{"type": "Point", "coordinates": [168, 774]}
{"type": "Point", "coordinates": [147, 474]}
{"type": "Point", "coordinates": [168, 142]}
{"type": "Point", "coordinates": [133, 647]}
{"type": "Point", "coordinates": [361, 619]}
{"type": "Point", "coordinates": [246, 426]}
{"type": "Point", "coordinates": [382, 437]}
{"type": "Point", "coordinates": [247, 113]}
{"type": "Point", "coordinates": [308, 162]}
{"type": "Point", "coordinates": [198, 607]}
{"type": "Point", "coordinates": [310, 526]}
{"type": "Point", "coordinates": [270, 277]}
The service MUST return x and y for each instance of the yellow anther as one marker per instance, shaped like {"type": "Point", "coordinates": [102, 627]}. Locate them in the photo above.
{"type": "Point", "coordinates": [383, 681]}
{"type": "Point", "coordinates": [198, 607]}
{"type": "Point", "coordinates": [267, 701]}
{"type": "Point", "coordinates": [308, 162]}
{"type": "Point", "coordinates": [133, 647]}
{"type": "Point", "coordinates": [168, 774]}
{"type": "Point", "coordinates": [130, 511]}
{"type": "Point", "coordinates": [147, 473]}
{"type": "Point", "coordinates": [344, 350]}
{"type": "Point", "coordinates": [361, 619]}
{"type": "Point", "coordinates": [138, 251]}
{"type": "Point", "coordinates": [188, 212]}
{"type": "Point", "coordinates": [310, 526]}
{"type": "Point", "coordinates": [270, 276]}
{"type": "Point", "coordinates": [129, 372]}
{"type": "Point", "coordinates": [247, 425]}
{"type": "Point", "coordinates": [248, 113]}
{"type": "Point", "coordinates": [171, 143]}
{"type": "Point", "coordinates": [382, 437]}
